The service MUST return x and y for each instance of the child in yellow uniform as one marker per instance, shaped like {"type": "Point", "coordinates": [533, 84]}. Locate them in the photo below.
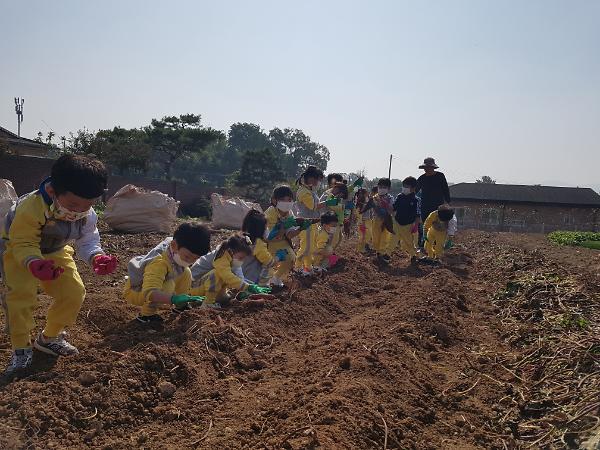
{"type": "Point", "coordinates": [162, 277]}
{"type": "Point", "coordinates": [364, 220]}
{"type": "Point", "coordinates": [381, 203]}
{"type": "Point", "coordinates": [281, 229]}
{"type": "Point", "coordinates": [439, 229]}
{"type": "Point", "coordinates": [336, 197]}
{"type": "Point", "coordinates": [407, 216]}
{"type": "Point", "coordinates": [34, 252]}
{"type": "Point", "coordinates": [325, 241]}
{"type": "Point", "coordinates": [258, 268]}
{"type": "Point", "coordinates": [226, 273]}
{"type": "Point", "coordinates": [308, 207]}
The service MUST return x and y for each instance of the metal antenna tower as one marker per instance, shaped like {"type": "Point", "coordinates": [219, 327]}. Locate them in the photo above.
{"type": "Point", "coordinates": [19, 102]}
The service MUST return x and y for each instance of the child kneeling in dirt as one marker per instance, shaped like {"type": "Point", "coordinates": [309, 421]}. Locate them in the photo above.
{"type": "Point", "coordinates": [325, 239]}
{"type": "Point", "coordinates": [257, 268]}
{"type": "Point", "coordinates": [225, 274]}
{"type": "Point", "coordinates": [439, 229]}
{"type": "Point", "coordinates": [34, 252]}
{"type": "Point", "coordinates": [162, 277]}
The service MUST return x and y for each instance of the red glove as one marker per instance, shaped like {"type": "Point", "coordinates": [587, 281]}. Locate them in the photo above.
{"type": "Point", "coordinates": [362, 228]}
{"type": "Point", "coordinates": [104, 264]}
{"type": "Point", "coordinates": [415, 228]}
{"type": "Point", "coordinates": [333, 259]}
{"type": "Point", "coordinates": [44, 269]}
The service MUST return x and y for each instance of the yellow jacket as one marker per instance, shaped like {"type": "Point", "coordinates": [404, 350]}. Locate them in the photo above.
{"type": "Point", "coordinates": [160, 275]}
{"type": "Point", "coordinates": [261, 253]}
{"type": "Point", "coordinates": [223, 266]}
{"type": "Point", "coordinates": [30, 231]}
{"type": "Point", "coordinates": [434, 221]}
{"type": "Point", "coordinates": [274, 216]}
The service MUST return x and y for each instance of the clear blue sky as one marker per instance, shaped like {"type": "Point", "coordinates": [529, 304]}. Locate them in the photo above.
{"type": "Point", "coordinates": [505, 88]}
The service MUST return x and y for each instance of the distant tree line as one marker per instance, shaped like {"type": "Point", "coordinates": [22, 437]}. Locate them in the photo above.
{"type": "Point", "coordinates": [246, 159]}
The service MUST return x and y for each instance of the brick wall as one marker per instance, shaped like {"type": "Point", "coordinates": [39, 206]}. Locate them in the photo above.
{"type": "Point", "coordinates": [26, 174]}
{"type": "Point", "coordinates": [528, 218]}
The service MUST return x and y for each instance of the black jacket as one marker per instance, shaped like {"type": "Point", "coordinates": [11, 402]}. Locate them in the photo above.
{"type": "Point", "coordinates": [434, 192]}
{"type": "Point", "coordinates": [405, 208]}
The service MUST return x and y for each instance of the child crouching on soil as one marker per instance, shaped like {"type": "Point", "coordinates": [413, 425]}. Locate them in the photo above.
{"type": "Point", "coordinates": [439, 229]}
{"type": "Point", "coordinates": [256, 268]}
{"type": "Point", "coordinates": [407, 218]}
{"type": "Point", "coordinates": [325, 240]}
{"type": "Point", "coordinates": [34, 252]}
{"type": "Point", "coordinates": [162, 277]}
{"type": "Point", "coordinates": [281, 229]}
{"type": "Point", "coordinates": [226, 273]}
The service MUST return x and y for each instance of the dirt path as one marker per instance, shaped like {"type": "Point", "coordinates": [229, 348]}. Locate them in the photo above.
{"type": "Point", "coordinates": [363, 358]}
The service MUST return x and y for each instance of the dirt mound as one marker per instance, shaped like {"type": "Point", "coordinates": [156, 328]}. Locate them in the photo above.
{"type": "Point", "coordinates": [364, 357]}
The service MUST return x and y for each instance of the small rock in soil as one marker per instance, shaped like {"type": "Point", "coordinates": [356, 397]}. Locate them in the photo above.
{"type": "Point", "coordinates": [87, 378]}
{"type": "Point", "coordinates": [345, 363]}
{"type": "Point", "coordinates": [167, 389]}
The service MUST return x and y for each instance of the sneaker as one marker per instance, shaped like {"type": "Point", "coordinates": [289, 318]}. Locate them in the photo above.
{"type": "Point", "coordinates": [154, 318]}
{"type": "Point", "coordinates": [319, 270]}
{"type": "Point", "coordinates": [181, 308]}
{"type": "Point", "coordinates": [276, 282]}
{"type": "Point", "coordinates": [386, 258]}
{"type": "Point", "coordinates": [21, 359]}
{"type": "Point", "coordinates": [307, 272]}
{"type": "Point", "coordinates": [57, 346]}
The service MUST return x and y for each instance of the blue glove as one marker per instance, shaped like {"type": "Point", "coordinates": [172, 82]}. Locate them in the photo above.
{"type": "Point", "coordinates": [350, 204]}
{"type": "Point", "coordinates": [281, 254]}
{"type": "Point", "coordinates": [274, 232]}
{"type": "Point", "coordinates": [332, 201]}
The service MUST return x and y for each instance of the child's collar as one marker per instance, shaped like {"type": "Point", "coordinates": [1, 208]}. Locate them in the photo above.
{"type": "Point", "coordinates": [43, 193]}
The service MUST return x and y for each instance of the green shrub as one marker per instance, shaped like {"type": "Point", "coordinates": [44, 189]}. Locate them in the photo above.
{"type": "Point", "coordinates": [574, 238]}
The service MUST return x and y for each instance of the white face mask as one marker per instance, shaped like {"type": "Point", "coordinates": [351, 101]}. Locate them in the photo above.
{"type": "Point", "coordinates": [237, 263]}
{"type": "Point", "coordinates": [285, 206]}
{"type": "Point", "coordinates": [332, 230]}
{"type": "Point", "coordinates": [62, 213]}
{"type": "Point", "coordinates": [180, 262]}
{"type": "Point", "coordinates": [406, 190]}
{"type": "Point", "coordinates": [382, 191]}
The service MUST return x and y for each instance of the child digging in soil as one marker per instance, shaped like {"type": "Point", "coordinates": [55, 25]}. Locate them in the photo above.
{"type": "Point", "coordinates": [225, 274]}
{"type": "Point", "coordinates": [406, 215]}
{"type": "Point", "coordinates": [162, 277]}
{"type": "Point", "coordinates": [34, 252]}
{"type": "Point", "coordinates": [325, 241]}
{"type": "Point", "coordinates": [256, 268]}
{"type": "Point", "coordinates": [439, 229]}
{"type": "Point", "coordinates": [383, 226]}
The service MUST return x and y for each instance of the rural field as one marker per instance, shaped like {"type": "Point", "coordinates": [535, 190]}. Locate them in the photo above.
{"type": "Point", "coordinates": [495, 349]}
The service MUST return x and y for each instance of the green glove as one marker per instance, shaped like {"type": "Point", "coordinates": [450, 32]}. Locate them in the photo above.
{"type": "Point", "coordinates": [305, 225]}
{"type": "Point", "coordinates": [256, 289]}
{"type": "Point", "coordinates": [332, 201]}
{"type": "Point", "coordinates": [184, 298]}
{"type": "Point", "coordinates": [449, 244]}
{"type": "Point", "coordinates": [358, 182]}
{"type": "Point", "coordinates": [243, 295]}
{"type": "Point", "coordinates": [289, 222]}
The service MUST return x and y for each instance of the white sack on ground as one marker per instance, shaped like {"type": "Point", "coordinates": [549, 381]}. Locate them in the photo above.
{"type": "Point", "coordinates": [8, 197]}
{"type": "Point", "coordinates": [229, 212]}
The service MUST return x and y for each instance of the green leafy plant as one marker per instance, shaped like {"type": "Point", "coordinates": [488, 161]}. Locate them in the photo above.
{"type": "Point", "coordinates": [577, 238]}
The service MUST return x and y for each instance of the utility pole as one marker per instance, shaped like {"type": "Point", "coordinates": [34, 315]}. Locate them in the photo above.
{"type": "Point", "coordinates": [19, 102]}
{"type": "Point", "coordinates": [390, 169]}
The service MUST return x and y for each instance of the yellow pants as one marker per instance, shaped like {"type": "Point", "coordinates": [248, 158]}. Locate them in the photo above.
{"type": "Point", "coordinates": [381, 236]}
{"type": "Point", "coordinates": [366, 237]}
{"type": "Point", "coordinates": [21, 299]}
{"type": "Point", "coordinates": [211, 286]}
{"type": "Point", "coordinates": [403, 236]}
{"type": "Point", "coordinates": [283, 268]}
{"type": "Point", "coordinates": [434, 246]}
{"type": "Point", "coordinates": [321, 259]}
{"type": "Point", "coordinates": [137, 298]}
{"type": "Point", "coordinates": [304, 256]}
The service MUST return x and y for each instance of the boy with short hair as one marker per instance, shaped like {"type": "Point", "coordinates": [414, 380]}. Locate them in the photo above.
{"type": "Point", "coordinates": [439, 230]}
{"type": "Point", "coordinates": [34, 252]}
{"type": "Point", "coordinates": [406, 209]}
{"type": "Point", "coordinates": [162, 276]}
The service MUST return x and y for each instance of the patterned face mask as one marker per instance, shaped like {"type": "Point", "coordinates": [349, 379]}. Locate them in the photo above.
{"type": "Point", "coordinates": [62, 213]}
{"type": "Point", "coordinates": [180, 262]}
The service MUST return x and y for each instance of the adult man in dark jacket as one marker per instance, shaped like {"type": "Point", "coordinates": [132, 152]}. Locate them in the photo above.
{"type": "Point", "coordinates": [433, 188]}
